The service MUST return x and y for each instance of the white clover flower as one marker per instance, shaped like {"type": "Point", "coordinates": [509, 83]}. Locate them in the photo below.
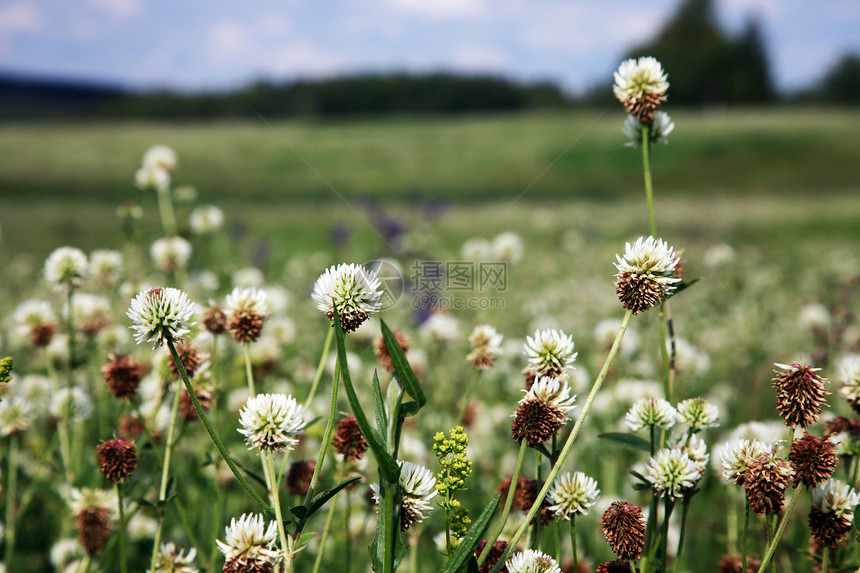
{"type": "Point", "coordinates": [249, 545]}
{"type": "Point", "coordinates": [206, 220]}
{"type": "Point", "coordinates": [91, 312]}
{"type": "Point", "coordinates": [440, 328]}
{"type": "Point", "coordinates": [170, 560]}
{"type": "Point", "coordinates": [170, 253]}
{"type": "Point", "coordinates": [34, 322]}
{"type": "Point", "coordinates": [542, 411]}
{"type": "Point", "coordinates": [835, 497]}
{"type": "Point", "coordinates": [607, 329]}
{"type": "Point", "coordinates": [477, 249]}
{"type": "Point", "coordinates": [848, 370]}
{"type": "Point", "coordinates": [66, 268]}
{"type": "Point", "coordinates": [695, 448]}
{"type": "Point", "coordinates": [271, 421]}
{"type": "Point", "coordinates": [34, 390]}
{"type": "Point", "coordinates": [550, 352]}
{"type": "Point", "coordinates": [532, 561]}
{"type": "Point", "coordinates": [248, 277]}
{"type": "Point", "coordinates": [65, 552]}
{"type": "Point", "coordinates": [646, 273]}
{"type": "Point", "coordinates": [105, 267]}
{"type": "Point", "coordinates": [247, 301]}
{"type": "Point", "coordinates": [572, 494]}
{"type": "Point", "coordinates": [553, 392]}
{"type": "Point", "coordinates": [71, 404]}
{"type": "Point", "coordinates": [671, 473]}
{"type": "Point", "coordinates": [159, 314]}
{"type": "Point", "coordinates": [641, 86]}
{"type": "Point", "coordinates": [658, 131]}
{"type": "Point", "coordinates": [698, 414]}
{"type": "Point", "coordinates": [152, 177]}
{"type": "Point", "coordinates": [813, 316]}
{"type": "Point", "coordinates": [486, 342]}
{"type": "Point", "coordinates": [718, 256]}
{"type": "Point", "coordinates": [419, 487]}
{"type": "Point", "coordinates": [650, 411]}
{"type": "Point", "coordinates": [507, 247]}
{"type": "Point", "coordinates": [160, 156]}
{"type": "Point", "coordinates": [737, 455]}
{"type": "Point", "coordinates": [86, 498]}
{"type": "Point", "coordinates": [15, 417]}
{"type": "Point", "coordinates": [353, 290]}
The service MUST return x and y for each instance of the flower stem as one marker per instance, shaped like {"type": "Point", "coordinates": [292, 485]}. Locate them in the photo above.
{"type": "Point", "coordinates": [213, 435]}
{"type": "Point", "coordinates": [70, 367]}
{"type": "Point", "coordinates": [573, 542]}
{"type": "Point", "coordinates": [249, 371]}
{"type": "Point", "coordinates": [744, 535]}
{"type": "Point", "coordinates": [664, 543]}
{"type": "Point", "coordinates": [121, 528]}
{"type": "Point", "coordinates": [825, 557]}
{"type": "Point", "coordinates": [328, 519]}
{"type": "Point", "coordinates": [326, 439]}
{"type": "Point", "coordinates": [11, 499]}
{"type": "Point", "coordinates": [684, 508]}
{"type": "Point", "coordinates": [772, 547]}
{"type": "Point", "coordinates": [568, 445]}
{"type": "Point", "coordinates": [269, 468]}
{"type": "Point", "coordinates": [664, 353]}
{"type": "Point", "coordinates": [509, 500]}
{"type": "Point", "coordinates": [468, 397]}
{"type": "Point", "coordinates": [165, 467]}
{"type": "Point", "coordinates": [646, 171]}
{"type": "Point", "coordinates": [320, 368]}
{"type": "Point", "coordinates": [856, 466]}
{"type": "Point", "coordinates": [165, 209]}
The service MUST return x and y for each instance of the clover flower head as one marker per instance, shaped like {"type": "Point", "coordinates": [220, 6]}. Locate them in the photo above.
{"type": "Point", "coordinates": [170, 253]}
{"type": "Point", "coordinates": [532, 561]}
{"type": "Point", "coordinates": [641, 86]}
{"type": "Point", "coordinates": [160, 314]}
{"type": "Point", "coordinates": [650, 411]}
{"type": "Point", "coordinates": [737, 455]}
{"type": "Point", "coordinates": [831, 512]}
{"type": "Point", "coordinates": [672, 473]}
{"type": "Point", "coordinates": [351, 289]}
{"type": "Point", "coordinates": [249, 545]}
{"type": "Point", "coordinates": [105, 267]}
{"type": "Point", "coordinates": [542, 411]}
{"type": "Point", "coordinates": [66, 268]}
{"type": "Point", "coordinates": [572, 494]}
{"type": "Point", "coordinates": [419, 487]}
{"type": "Point", "coordinates": [171, 560]}
{"type": "Point", "coordinates": [160, 156]}
{"type": "Point", "coordinates": [799, 394]}
{"type": "Point", "coordinates": [550, 352]}
{"type": "Point", "coordinates": [646, 273]}
{"type": "Point", "coordinates": [698, 414]}
{"type": "Point", "coordinates": [206, 220]}
{"type": "Point", "coordinates": [271, 421]}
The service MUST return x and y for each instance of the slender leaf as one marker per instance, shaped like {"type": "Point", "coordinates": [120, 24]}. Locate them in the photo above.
{"type": "Point", "coordinates": [684, 285]}
{"type": "Point", "coordinates": [321, 498]}
{"type": "Point", "coordinates": [466, 549]}
{"type": "Point", "coordinates": [401, 366]}
{"type": "Point", "coordinates": [389, 468]}
{"type": "Point", "coordinates": [379, 403]}
{"type": "Point", "coordinates": [631, 441]}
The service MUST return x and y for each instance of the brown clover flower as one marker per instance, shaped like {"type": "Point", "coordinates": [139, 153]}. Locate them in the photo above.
{"type": "Point", "coordinates": [188, 355]}
{"type": "Point", "coordinates": [94, 511]}
{"type": "Point", "coordinates": [381, 350]}
{"type": "Point", "coordinates": [831, 512]}
{"type": "Point", "coordinates": [206, 397]}
{"type": "Point", "coordinates": [646, 274]}
{"type": "Point", "coordinates": [215, 319]}
{"type": "Point", "coordinates": [247, 312]}
{"type": "Point", "coordinates": [799, 394]}
{"type": "Point", "coordinates": [617, 566]}
{"type": "Point", "coordinates": [122, 374]}
{"type": "Point", "coordinates": [733, 563]}
{"type": "Point", "coordinates": [765, 480]}
{"type": "Point", "coordinates": [117, 459]}
{"type": "Point", "coordinates": [542, 411]}
{"type": "Point", "coordinates": [812, 459]}
{"type": "Point", "coordinates": [299, 477]}
{"type": "Point", "coordinates": [348, 440]}
{"type": "Point", "coordinates": [493, 557]}
{"type": "Point", "coordinates": [624, 529]}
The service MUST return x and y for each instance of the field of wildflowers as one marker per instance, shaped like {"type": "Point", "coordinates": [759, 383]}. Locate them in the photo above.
{"type": "Point", "coordinates": [479, 400]}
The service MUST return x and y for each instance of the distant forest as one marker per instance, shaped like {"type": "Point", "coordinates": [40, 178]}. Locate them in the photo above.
{"type": "Point", "coordinates": [706, 65]}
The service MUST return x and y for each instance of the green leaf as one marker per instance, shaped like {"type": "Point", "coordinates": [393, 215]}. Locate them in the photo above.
{"type": "Point", "coordinates": [379, 403]}
{"type": "Point", "coordinates": [630, 441]}
{"type": "Point", "coordinates": [388, 543]}
{"type": "Point", "coordinates": [321, 498]}
{"type": "Point", "coordinates": [409, 408]}
{"type": "Point", "coordinates": [300, 511]}
{"type": "Point", "coordinates": [472, 565]}
{"type": "Point", "coordinates": [466, 549]}
{"type": "Point", "coordinates": [638, 476]}
{"type": "Point", "coordinates": [401, 366]}
{"type": "Point", "coordinates": [684, 285]}
{"type": "Point", "coordinates": [254, 476]}
{"type": "Point", "coordinates": [542, 449]}
{"type": "Point", "coordinates": [387, 465]}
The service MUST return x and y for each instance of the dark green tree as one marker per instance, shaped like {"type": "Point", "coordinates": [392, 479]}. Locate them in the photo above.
{"type": "Point", "coordinates": [841, 85]}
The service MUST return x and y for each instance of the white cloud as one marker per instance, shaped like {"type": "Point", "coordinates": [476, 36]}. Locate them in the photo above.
{"type": "Point", "coordinates": [120, 9]}
{"type": "Point", "coordinates": [228, 42]}
{"type": "Point", "coordinates": [480, 58]}
{"type": "Point", "coordinates": [442, 8]}
{"type": "Point", "coordinates": [18, 17]}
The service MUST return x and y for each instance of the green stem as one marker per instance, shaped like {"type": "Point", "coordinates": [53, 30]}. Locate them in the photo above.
{"type": "Point", "coordinates": [568, 445]}
{"type": "Point", "coordinates": [573, 542]}
{"type": "Point", "coordinates": [825, 557]}
{"type": "Point", "coordinates": [216, 524]}
{"type": "Point", "coordinates": [557, 541]}
{"type": "Point", "coordinates": [165, 209]}
{"type": "Point", "coordinates": [11, 499]}
{"type": "Point", "coordinates": [214, 436]}
{"type": "Point", "coordinates": [329, 518]}
{"type": "Point", "coordinates": [684, 508]}
{"type": "Point", "coordinates": [70, 365]}
{"type": "Point", "coordinates": [664, 354]}
{"type": "Point", "coordinates": [348, 533]}
{"type": "Point", "coordinates": [646, 170]}
{"type": "Point", "coordinates": [121, 528]}
{"type": "Point", "coordinates": [165, 467]}
{"type": "Point", "coordinates": [320, 367]}
{"type": "Point", "coordinates": [856, 465]}
{"type": "Point", "coordinates": [389, 513]}
{"type": "Point", "coordinates": [249, 371]}
{"type": "Point", "coordinates": [326, 439]}
{"type": "Point", "coordinates": [276, 501]}
{"type": "Point", "coordinates": [509, 500]}
{"type": "Point", "coordinates": [775, 541]}
{"type": "Point", "coordinates": [467, 399]}
{"type": "Point", "coordinates": [744, 536]}
{"type": "Point", "coordinates": [664, 543]}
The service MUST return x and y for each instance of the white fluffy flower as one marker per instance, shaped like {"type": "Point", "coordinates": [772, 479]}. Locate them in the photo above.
{"type": "Point", "coordinates": [91, 312]}
{"type": "Point", "coordinates": [508, 247]}
{"type": "Point", "coordinates": [170, 560]}
{"type": "Point", "coordinates": [671, 473]}
{"type": "Point", "coordinates": [160, 156]}
{"type": "Point", "coordinates": [72, 404]}
{"type": "Point", "coordinates": [813, 316]}
{"type": "Point", "coordinates": [159, 314]}
{"type": "Point", "coordinates": [532, 561]}
{"type": "Point", "coordinates": [271, 421]}
{"type": "Point", "coordinates": [553, 392]}
{"type": "Point", "coordinates": [651, 411]}
{"type": "Point", "coordinates": [661, 126]}
{"type": "Point", "coordinates": [249, 543]}
{"type": "Point", "coordinates": [848, 370]}
{"type": "Point", "coordinates": [645, 273]}
{"type": "Point", "coordinates": [641, 86]}
{"type": "Point", "coordinates": [15, 417]}
{"type": "Point", "coordinates": [698, 414]}
{"type": "Point", "coordinates": [353, 290]}
{"type": "Point", "coordinates": [170, 253]}
{"type": "Point", "coordinates": [246, 301]}
{"type": "Point", "coordinates": [440, 328]}
{"type": "Point", "coordinates": [737, 455]}
{"type": "Point", "coordinates": [66, 267]}
{"type": "Point", "coordinates": [206, 220]}
{"type": "Point", "coordinates": [477, 249]}
{"type": "Point", "coordinates": [419, 487]}
{"type": "Point", "coordinates": [89, 498]}
{"type": "Point", "coordinates": [486, 342]}
{"type": "Point", "coordinates": [105, 267]}
{"type": "Point", "coordinates": [549, 352]}
{"type": "Point", "coordinates": [572, 494]}
{"type": "Point", "coordinates": [835, 497]}
{"type": "Point", "coordinates": [248, 277]}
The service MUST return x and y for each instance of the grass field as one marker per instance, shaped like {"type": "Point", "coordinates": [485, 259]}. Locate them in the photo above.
{"type": "Point", "coordinates": [780, 187]}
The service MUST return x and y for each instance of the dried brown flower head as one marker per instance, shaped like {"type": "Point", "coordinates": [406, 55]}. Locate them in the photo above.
{"type": "Point", "coordinates": [617, 566]}
{"type": "Point", "coordinates": [299, 477]}
{"type": "Point", "coordinates": [799, 394]}
{"type": "Point", "coordinates": [93, 529]}
{"type": "Point", "coordinates": [205, 395]}
{"type": "Point", "coordinates": [733, 563]}
{"type": "Point", "coordinates": [542, 411]}
{"type": "Point", "coordinates": [812, 459]}
{"type": "Point", "coordinates": [624, 529]}
{"type": "Point", "coordinates": [41, 335]}
{"type": "Point", "coordinates": [117, 459]}
{"type": "Point", "coordinates": [381, 350]}
{"type": "Point", "coordinates": [215, 319]}
{"type": "Point", "coordinates": [189, 356]}
{"type": "Point", "coordinates": [348, 440]}
{"type": "Point", "coordinates": [493, 557]}
{"type": "Point", "coordinates": [122, 374]}
{"type": "Point", "coordinates": [765, 481]}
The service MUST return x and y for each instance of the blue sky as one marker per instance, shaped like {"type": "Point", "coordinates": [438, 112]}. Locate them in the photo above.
{"type": "Point", "coordinates": [193, 44]}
